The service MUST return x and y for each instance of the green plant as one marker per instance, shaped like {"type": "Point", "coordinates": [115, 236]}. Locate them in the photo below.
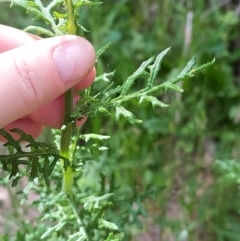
{"type": "Point", "coordinates": [89, 206]}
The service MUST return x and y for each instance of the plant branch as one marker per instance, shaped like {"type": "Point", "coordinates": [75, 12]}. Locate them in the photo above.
{"type": "Point", "coordinates": [106, 100]}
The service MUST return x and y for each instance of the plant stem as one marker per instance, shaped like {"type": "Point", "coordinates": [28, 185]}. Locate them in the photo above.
{"type": "Point", "coordinates": [65, 142]}
{"type": "Point", "coordinates": [67, 131]}
{"type": "Point", "coordinates": [78, 217]}
{"type": "Point", "coordinates": [71, 26]}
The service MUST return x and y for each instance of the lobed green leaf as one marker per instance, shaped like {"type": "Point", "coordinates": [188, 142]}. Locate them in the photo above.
{"type": "Point", "coordinates": [40, 159]}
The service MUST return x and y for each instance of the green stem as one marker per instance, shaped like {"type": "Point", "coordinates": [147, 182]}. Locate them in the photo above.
{"type": "Point", "coordinates": [65, 142]}
{"type": "Point", "coordinates": [71, 26]}
{"type": "Point", "coordinates": [78, 217]}
{"type": "Point", "coordinates": [67, 130]}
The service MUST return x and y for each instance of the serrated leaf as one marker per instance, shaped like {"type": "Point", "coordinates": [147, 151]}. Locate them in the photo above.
{"type": "Point", "coordinates": [121, 111]}
{"type": "Point", "coordinates": [153, 100]}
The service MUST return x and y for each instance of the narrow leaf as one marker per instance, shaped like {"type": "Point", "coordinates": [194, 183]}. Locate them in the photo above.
{"type": "Point", "coordinates": [83, 28]}
{"type": "Point", "coordinates": [189, 72]}
{"type": "Point", "coordinates": [53, 3]}
{"type": "Point", "coordinates": [127, 114]}
{"type": "Point", "coordinates": [108, 225]}
{"type": "Point", "coordinates": [86, 2]}
{"type": "Point", "coordinates": [39, 31]}
{"type": "Point", "coordinates": [10, 140]}
{"type": "Point", "coordinates": [15, 181]}
{"type": "Point", "coordinates": [188, 67]}
{"type": "Point", "coordinates": [203, 67]}
{"type": "Point", "coordinates": [131, 79]}
{"type": "Point", "coordinates": [59, 15]}
{"type": "Point", "coordinates": [87, 137]}
{"type": "Point", "coordinates": [154, 101]}
{"type": "Point", "coordinates": [102, 50]}
{"type": "Point", "coordinates": [104, 110]}
{"type": "Point", "coordinates": [174, 87]}
{"type": "Point", "coordinates": [111, 92]}
{"type": "Point", "coordinates": [155, 68]}
{"type": "Point", "coordinates": [104, 77]}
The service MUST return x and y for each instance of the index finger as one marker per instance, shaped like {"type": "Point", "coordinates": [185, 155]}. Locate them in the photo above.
{"type": "Point", "coordinates": [11, 38]}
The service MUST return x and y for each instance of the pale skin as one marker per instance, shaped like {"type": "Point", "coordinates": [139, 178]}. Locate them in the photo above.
{"type": "Point", "coordinates": [34, 75]}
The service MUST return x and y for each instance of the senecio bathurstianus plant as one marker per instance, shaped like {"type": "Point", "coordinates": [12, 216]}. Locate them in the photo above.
{"type": "Point", "coordinates": [70, 213]}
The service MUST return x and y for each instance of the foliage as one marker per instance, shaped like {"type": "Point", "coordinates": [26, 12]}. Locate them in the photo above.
{"type": "Point", "coordinates": [175, 146]}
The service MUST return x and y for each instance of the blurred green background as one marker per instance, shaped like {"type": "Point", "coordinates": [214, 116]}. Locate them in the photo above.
{"type": "Point", "coordinates": [192, 147]}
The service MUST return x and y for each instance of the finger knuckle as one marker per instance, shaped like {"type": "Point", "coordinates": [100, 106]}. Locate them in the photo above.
{"type": "Point", "coordinates": [31, 89]}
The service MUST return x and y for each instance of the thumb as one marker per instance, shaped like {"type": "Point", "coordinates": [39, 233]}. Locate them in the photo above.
{"type": "Point", "coordinates": [36, 73]}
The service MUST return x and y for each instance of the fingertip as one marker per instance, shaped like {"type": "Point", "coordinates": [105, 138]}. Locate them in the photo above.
{"type": "Point", "coordinates": [73, 59]}
{"type": "Point", "coordinates": [87, 81]}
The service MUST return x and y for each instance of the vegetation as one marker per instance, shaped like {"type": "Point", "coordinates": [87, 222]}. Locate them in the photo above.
{"type": "Point", "coordinates": [191, 148]}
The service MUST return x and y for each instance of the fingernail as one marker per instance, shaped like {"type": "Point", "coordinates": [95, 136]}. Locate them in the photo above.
{"type": "Point", "coordinates": [73, 60]}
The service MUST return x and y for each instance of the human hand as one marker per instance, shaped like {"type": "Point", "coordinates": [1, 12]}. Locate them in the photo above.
{"type": "Point", "coordinates": [34, 75]}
